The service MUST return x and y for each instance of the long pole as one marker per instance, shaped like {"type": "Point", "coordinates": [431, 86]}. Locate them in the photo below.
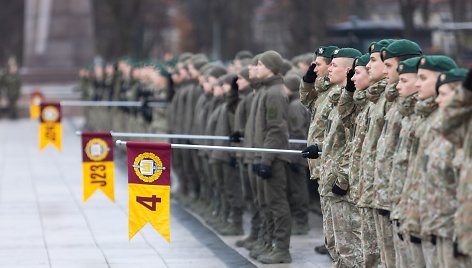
{"type": "Point", "coordinates": [225, 148]}
{"type": "Point", "coordinates": [153, 104]}
{"type": "Point", "coordinates": [179, 136]}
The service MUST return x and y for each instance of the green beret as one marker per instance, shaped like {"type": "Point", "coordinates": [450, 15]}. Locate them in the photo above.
{"type": "Point", "coordinates": [451, 76]}
{"type": "Point", "coordinates": [377, 46]}
{"type": "Point", "coordinates": [408, 66]}
{"type": "Point", "coordinates": [437, 63]}
{"type": "Point", "coordinates": [400, 48]}
{"type": "Point", "coordinates": [346, 53]}
{"type": "Point", "coordinates": [362, 60]}
{"type": "Point", "coordinates": [326, 52]}
{"type": "Point", "coordinates": [161, 69]}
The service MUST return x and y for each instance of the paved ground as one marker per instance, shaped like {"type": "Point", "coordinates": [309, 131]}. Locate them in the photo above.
{"type": "Point", "coordinates": [43, 222]}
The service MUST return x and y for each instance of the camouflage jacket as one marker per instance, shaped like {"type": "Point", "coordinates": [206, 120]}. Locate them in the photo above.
{"type": "Point", "coordinates": [385, 149]}
{"type": "Point", "coordinates": [315, 98]}
{"type": "Point", "coordinates": [333, 146]}
{"type": "Point", "coordinates": [414, 187]}
{"type": "Point", "coordinates": [438, 202]}
{"type": "Point", "coordinates": [353, 107]}
{"type": "Point", "coordinates": [399, 171]}
{"type": "Point", "coordinates": [376, 119]}
{"type": "Point", "coordinates": [271, 121]}
{"type": "Point", "coordinates": [458, 113]}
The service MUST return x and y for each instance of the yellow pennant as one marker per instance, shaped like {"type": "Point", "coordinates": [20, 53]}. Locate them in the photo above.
{"type": "Point", "coordinates": [149, 187]}
{"type": "Point", "coordinates": [149, 203]}
{"type": "Point", "coordinates": [35, 100]}
{"type": "Point", "coordinates": [97, 164]}
{"type": "Point", "coordinates": [50, 129]}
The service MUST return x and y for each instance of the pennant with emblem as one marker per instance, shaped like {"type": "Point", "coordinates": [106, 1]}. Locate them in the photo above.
{"type": "Point", "coordinates": [149, 187]}
{"type": "Point", "coordinates": [97, 164]}
{"type": "Point", "coordinates": [50, 129]}
{"type": "Point", "coordinates": [36, 98]}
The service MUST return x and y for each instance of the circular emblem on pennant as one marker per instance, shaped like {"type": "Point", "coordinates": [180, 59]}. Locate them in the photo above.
{"type": "Point", "coordinates": [96, 149]}
{"type": "Point", "coordinates": [148, 167]}
{"type": "Point", "coordinates": [36, 100]}
{"type": "Point", "coordinates": [50, 114]}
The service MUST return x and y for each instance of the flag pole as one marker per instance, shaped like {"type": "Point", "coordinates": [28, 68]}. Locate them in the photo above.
{"type": "Point", "coordinates": [179, 136]}
{"type": "Point", "coordinates": [226, 148]}
{"type": "Point", "coordinates": [75, 103]}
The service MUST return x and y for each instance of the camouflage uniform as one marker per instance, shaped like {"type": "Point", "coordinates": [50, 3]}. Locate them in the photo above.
{"type": "Point", "coordinates": [314, 96]}
{"type": "Point", "coordinates": [410, 221]}
{"type": "Point", "coordinates": [438, 203]}
{"type": "Point", "coordinates": [378, 106]}
{"type": "Point", "coordinates": [398, 176]}
{"type": "Point", "coordinates": [383, 166]}
{"type": "Point", "coordinates": [458, 114]}
{"type": "Point", "coordinates": [345, 216]}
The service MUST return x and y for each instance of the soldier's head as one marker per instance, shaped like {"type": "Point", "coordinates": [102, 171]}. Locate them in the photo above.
{"type": "Point", "coordinates": [291, 84]}
{"type": "Point", "coordinates": [253, 67]}
{"type": "Point", "coordinates": [243, 78]}
{"type": "Point", "coordinates": [429, 68]}
{"type": "Point", "coordinates": [376, 66]}
{"type": "Point", "coordinates": [212, 75]}
{"type": "Point", "coordinates": [303, 61]}
{"type": "Point", "coordinates": [322, 59]}
{"type": "Point", "coordinates": [240, 58]}
{"type": "Point", "coordinates": [407, 75]}
{"type": "Point", "coordinates": [341, 63]}
{"type": "Point", "coordinates": [270, 64]}
{"type": "Point", "coordinates": [195, 63]}
{"type": "Point", "coordinates": [397, 51]}
{"type": "Point", "coordinates": [226, 82]}
{"type": "Point", "coordinates": [446, 84]}
{"type": "Point", "coordinates": [361, 76]}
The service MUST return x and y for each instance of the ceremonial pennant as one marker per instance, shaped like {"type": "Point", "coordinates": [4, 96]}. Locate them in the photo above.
{"type": "Point", "coordinates": [97, 164]}
{"type": "Point", "coordinates": [36, 98]}
{"type": "Point", "coordinates": [50, 129]}
{"type": "Point", "coordinates": [149, 187]}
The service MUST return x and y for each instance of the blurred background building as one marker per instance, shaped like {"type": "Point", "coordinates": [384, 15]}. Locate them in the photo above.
{"type": "Point", "coordinates": [55, 37]}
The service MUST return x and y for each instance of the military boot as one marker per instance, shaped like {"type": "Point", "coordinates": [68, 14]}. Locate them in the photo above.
{"type": "Point", "coordinates": [321, 250]}
{"type": "Point", "coordinates": [276, 255]}
{"type": "Point", "coordinates": [243, 243]}
{"type": "Point", "coordinates": [260, 248]}
{"type": "Point", "coordinates": [232, 229]}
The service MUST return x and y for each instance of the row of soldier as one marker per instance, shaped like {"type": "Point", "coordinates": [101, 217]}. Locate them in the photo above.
{"type": "Point", "coordinates": [10, 88]}
{"type": "Point", "coordinates": [389, 171]}
{"type": "Point", "coordinates": [395, 172]}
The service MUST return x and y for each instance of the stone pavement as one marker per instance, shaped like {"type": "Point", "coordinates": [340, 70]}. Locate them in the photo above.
{"type": "Point", "coordinates": [44, 223]}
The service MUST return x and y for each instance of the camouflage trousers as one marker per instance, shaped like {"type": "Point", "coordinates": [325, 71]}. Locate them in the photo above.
{"type": "Point", "coordinates": [347, 233]}
{"type": "Point", "coordinates": [402, 254]}
{"type": "Point", "coordinates": [445, 251]}
{"type": "Point", "coordinates": [430, 253]}
{"type": "Point", "coordinates": [370, 249]}
{"type": "Point", "coordinates": [384, 230]}
{"type": "Point", "coordinates": [416, 253]}
{"type": "Point", "coordinates": [328, 229]}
